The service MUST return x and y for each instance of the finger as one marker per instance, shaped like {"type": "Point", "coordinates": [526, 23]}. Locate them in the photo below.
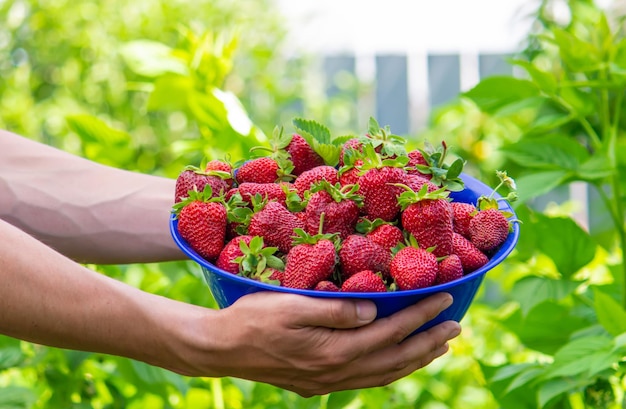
{"type": "Point", "coordinates": [397, 361]}
{"type": "Point", "coordinates": [334, 312]}
{"type": "Point", "coordinates": [393, 329]}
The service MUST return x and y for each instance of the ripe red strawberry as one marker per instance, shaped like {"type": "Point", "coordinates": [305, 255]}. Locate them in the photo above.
{"type": "Point", "coordinates": [257, 261]}
{"type": "Point", "coordinates": [358, 253]}
{"type": "Point", "coordinates": [471, 258]}
{"type": "Point", "coordinates": [276, 225]}
{"type": "Point", "coordinates": [192, 178]}
{"type": "Point", "coordinates": [310, 261]}
{"type": "Point", "coordinates": [381, 232]}
{"type": "Point", "coordinates": [488, 229]}
{"type": "Point", "coordinates": [302, 155]}
{"type": "Point", "coordinates": [462, 215]}
{"type": "Point", "coordinates": [326, 285]}
{"type": "Point", "coordinates": [380, 193]}
{"type": "Point", "coordinates": [450, 269]}
{"type": "Point", "coordinates": [428, 217]}
{"type": "Point", "coordinates": [230, 252]}
{"type": "Point", "coordinates": [202, 223]}
{"type": "Point", "coordinates": [258, 170]}
{"type": "Point", "coordinates": [268, 191]}
{"type": "Point", "coordinates": [349, 174]}
{"type": "Point", "coordinates": [415, 182]}
{"type": "Point", "coordinates": [351, 146]}
{"type": "Point", "coordinates": [417, 160]}
{"type": "Point", "coordinates": [308, 178]}
{"type": "Point", "coordinates": [339, 207]}
{"type": "Point", "coordinates": [365, 281]}
{"type": "Point", "coordinates": [413, 268]}
{"type": "Point", "coordinates": [217, 165]}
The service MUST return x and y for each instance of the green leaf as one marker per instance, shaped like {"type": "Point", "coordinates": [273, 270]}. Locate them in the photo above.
{"type": "Point", "coordinates": [314, 129]}
{"type": "Point", "coordinates": [546, 327]}
{"type": "Point", "coordinates": [550, 152]}
{"type": "Point", "coordinates": [566, 243]}
{"type": "Point", "coordinates": [552, 389]}
{"type": "Point", "coordinates": [579, 356]}
{"type": "Point", "coordinates": [611, 314]}
{"type": "Point", "coordinates": [152, 59]}
{"type": "Point", "coordinates": [595, 168]}
{"type": "Point", "coordinates": [532, 290]}
{"type": "Point", "coordinates": [577, 54]}
{"type": "Point", "coordinates": [93, 129]}
{"type": "Point", "coordinates": [171, 93]}
{"type": "Point", "coordinates": [544, 80]}
{"type": "Point", "coordinates": [494, 93]}
{"type": "Point", "coordinates": [340, 400]}
{"type": "Point", "coordinates": [525, 377]}
{"type": "Point", "coordinates": [539, 183]}
{"type": "Point", "coordinates": [12, 397]}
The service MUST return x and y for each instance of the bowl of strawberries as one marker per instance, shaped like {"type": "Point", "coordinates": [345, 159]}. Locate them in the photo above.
{"type": "Point", "coordinates": [344, 217]}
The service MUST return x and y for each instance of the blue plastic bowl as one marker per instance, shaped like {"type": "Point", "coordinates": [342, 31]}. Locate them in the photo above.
{"type": "Point", "coordinates": [228, 288]}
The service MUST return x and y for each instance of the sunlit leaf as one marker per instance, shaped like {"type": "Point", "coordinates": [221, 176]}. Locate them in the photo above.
{"type": "Point", "coordinates": [610, 313]}
{"type": "Point", "coordinates": [496, 92]}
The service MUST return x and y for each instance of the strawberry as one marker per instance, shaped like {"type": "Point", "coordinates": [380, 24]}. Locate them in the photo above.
{"type": "Point", "coordinates": [415, 182]}
{"type": "Point", "coordinates": [471, 258]}
{"type": "Point", "coordinates": [311, 260]}
{"type": "Point", "coordinates": [268, 191]}
{"type": "Point", "coordinates": [192, 178]}
{"type": "Point", "coordinates": [217, 165]}
{"type": "Point", "coordinates": [339, 205]}
{"type": "Point", "coordinates": [351, 147]}
{"type": "Point", "coordinates": [359, 253]}
{"type": "Point", "coordinates": [488, 229]}
{"type": "Point", "coordinates": [230, 252]}
{"type": "Point", "coordinates": [276, 225]}
{"type": "Point", "coordinates": [202, 222]}
{"type": "Point", "coordinates": [428, 217]}
{"type": "Point", "coordinates": [490, 226]}
{"type": "Point", "coordinates": [258, 170]}
{"type": "Point", "coordinates": [326, 285]}
{"type": "Point", "coordinates": [413, 268]}
{"type": "Point", "coordinates": [302, 155]}
{"type": "Point", "coordinates": [309, 177]}
{"type": "Point", "coordinates": [380, 193]}
{"type": "Point", "coordinates": [349, 174]}
{"type": "Point", "coordinates": [450, 269]}
{"type": "Point", "coordinates": [462, 215]}
{"type": "Point", "coordinates": [381, 232]}
{"type": "Point", "coordinates": [365, 281]}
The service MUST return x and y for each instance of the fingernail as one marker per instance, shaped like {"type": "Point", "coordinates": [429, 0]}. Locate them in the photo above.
{"type": "Point", "coordinates": [365, 311]}
{"type": "Point", "coordinates": [446, 302]}
{"type": "Point", "coordinates": [455, 330]}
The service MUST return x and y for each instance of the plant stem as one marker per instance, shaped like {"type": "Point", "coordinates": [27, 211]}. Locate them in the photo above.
{"type": "Point", "coordinates": [617, 208]}
{"type": "Point", "coordinates": [218, 395]}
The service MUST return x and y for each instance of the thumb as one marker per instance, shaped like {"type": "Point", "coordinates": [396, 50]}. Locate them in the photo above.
{"type": "Point", "coordinates": [336, 313]}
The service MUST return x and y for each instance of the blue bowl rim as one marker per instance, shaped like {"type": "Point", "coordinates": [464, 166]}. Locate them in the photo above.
{"type": "Point", "coordinates": [505, 249]}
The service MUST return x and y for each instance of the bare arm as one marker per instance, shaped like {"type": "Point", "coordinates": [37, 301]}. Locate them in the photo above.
{"type": "Point", "coordinates": [89, 212]}
{"type": "Point", "coordinates": [307, 345]}
{"type": "Point", "coordinates": [98, 214]}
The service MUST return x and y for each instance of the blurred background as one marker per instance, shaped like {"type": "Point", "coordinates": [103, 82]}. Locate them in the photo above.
{"type": "Point", "coordinates": [533, 87]}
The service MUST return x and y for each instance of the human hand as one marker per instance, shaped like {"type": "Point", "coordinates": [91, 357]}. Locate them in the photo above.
{"type": "Point", "coordinates": [315, 346]}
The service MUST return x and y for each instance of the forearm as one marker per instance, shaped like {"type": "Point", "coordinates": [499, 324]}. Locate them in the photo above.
{"type": "Point", "coordinates": [89, 212]}
{"type": "Point", "coordinates": [48, 299]}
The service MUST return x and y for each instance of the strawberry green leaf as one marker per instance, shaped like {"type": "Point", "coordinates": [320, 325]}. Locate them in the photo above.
{"type": "Point", "coordinates": [313, 129]}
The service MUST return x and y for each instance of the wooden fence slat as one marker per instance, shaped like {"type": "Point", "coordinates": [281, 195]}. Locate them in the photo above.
{"type": "Point", "coordinates": [392, 93]}
{"type": "Point", "coordinates": [444, 78]}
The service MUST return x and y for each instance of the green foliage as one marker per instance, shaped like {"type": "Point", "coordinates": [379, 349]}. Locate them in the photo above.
{"type": "Point", "coordinates": [566, 305]}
